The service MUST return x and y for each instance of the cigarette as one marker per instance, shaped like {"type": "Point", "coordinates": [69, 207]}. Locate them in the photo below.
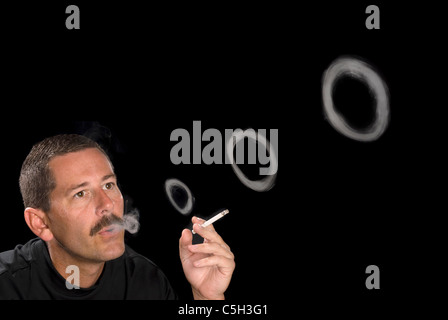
{"type": "Point", "coordinates": [214, 219]}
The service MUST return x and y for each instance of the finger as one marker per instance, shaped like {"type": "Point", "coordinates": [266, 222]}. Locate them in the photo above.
{"type": "Point", "coordinates": [185, 240]}
{"type": "Point", "coordinates": [212, 248]}
{"type": "Point", "coordinates": [201, 221]}
{"type": "Point", "coordinates": [209, 234]}
{"type": "Point", "coordinates": [218, 261]}
{"type": "Point", "coordinates": [197, 220]}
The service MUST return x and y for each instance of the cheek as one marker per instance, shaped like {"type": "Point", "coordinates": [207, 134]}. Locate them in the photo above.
{"type": "Point", "coordinates": [75, 227]}
{"type": "Point", "coordinates": [68, 221]}
{"type": "Point", "coordinates": [117, 198]}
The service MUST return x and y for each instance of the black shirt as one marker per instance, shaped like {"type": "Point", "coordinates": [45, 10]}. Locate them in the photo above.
{"type": "Point", "coordinates": [28, 273]}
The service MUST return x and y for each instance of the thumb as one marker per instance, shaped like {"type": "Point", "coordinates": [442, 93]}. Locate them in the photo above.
{"type": "Point", "coordinates": [185, 240]}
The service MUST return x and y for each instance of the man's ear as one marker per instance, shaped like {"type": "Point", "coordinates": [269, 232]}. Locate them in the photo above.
{"type": "Point", "coordinates": [36, 220]}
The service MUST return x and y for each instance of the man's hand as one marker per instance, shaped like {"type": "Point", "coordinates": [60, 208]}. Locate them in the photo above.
{"type": "Point", "coordinates": [208, 266]}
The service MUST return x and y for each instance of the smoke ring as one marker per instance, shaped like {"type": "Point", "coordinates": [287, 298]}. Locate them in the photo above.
{"type": "Point", "coordinates": [363, 72]}
{"type": "Point", "coordinates": [169, 185]}
{"type": "Point", "coordinates": [261, 185]}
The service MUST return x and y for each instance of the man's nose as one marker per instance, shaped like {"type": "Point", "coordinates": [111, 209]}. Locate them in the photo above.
{"type": "Point", "coordinates": [105, 205]}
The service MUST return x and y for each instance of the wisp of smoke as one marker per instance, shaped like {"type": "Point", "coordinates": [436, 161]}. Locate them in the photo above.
{"type": "Point", "coordinates": [131, 221]}
{"type": "Point", "coordinates": [355, 68]}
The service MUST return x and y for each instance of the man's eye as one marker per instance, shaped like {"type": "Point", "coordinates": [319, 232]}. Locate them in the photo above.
{"type": "Point", "coordinates": [109, 185]}
{"type": "Point", "coordinates": [80, 194]}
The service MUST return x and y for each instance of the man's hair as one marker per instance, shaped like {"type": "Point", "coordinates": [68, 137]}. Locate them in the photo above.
{"type": "Point", "coordinates": [36, 179]}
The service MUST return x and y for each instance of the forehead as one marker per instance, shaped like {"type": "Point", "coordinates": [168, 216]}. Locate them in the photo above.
{"type": "Point", "coordinates": [85, 165]}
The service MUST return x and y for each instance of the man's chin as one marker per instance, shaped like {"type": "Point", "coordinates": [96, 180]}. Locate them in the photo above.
{"type": "Point", "coordinates": [110, 249]}
{"type": "Point", "coordinates": [114, 254]}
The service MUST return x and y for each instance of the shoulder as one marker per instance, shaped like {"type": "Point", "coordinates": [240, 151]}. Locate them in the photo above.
{"type": "Point", "coordinates": [19, 258]}
{"type": "Point", "coordinates": [130, 254]}
{"type": "Point", "coordinates": [15, 268]}
{"type": "Point", "coordinates": [144, 274]}
{"type": "Point", "coordinates": [138, 263]}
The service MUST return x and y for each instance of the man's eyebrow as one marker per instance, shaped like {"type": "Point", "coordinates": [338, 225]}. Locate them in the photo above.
{"type": "Point", "coordinates": [108, 176]}
{"type": "Point", "coordinates": [74, 187]}
{"type": "Point", "coordinates": [85, 184]}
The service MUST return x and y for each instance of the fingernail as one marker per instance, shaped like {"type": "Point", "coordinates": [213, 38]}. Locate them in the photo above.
{"type": "Point", "coordinates": [192, 229]}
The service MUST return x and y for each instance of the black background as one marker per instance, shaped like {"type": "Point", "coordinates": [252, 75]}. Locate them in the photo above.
{"type": "Point", "coordinates": [133, 73]}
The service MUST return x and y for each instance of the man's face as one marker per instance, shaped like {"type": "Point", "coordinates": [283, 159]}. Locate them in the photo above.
{"type": "Point", "coordinates": [86, 191]}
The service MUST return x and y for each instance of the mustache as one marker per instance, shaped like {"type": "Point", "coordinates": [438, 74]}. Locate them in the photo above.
{"type": "Point", "coordinates": [106, 221]}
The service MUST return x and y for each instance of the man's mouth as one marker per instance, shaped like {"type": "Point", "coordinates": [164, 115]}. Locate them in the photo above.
{"type": "Point", "coordinates": [106, 223]}
{"type": "Point", "coordinates": [108, 231]}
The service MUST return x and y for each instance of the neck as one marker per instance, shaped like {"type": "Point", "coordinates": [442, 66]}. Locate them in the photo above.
{"type": "Point", "coordinates": [89, 271]}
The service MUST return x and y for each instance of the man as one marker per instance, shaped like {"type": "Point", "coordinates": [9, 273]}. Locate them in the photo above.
{"type": "Point", "coordinates": [71, 200]}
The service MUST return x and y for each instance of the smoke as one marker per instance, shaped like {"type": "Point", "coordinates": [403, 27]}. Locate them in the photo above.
{"type": "Point", "coordinates": [268, 182]}
{"type": "Point", "coordinates": [104, 222]}
{"type": "Point", "coordinates": [360, 70]}
{"type": "Point", "coordinates": [131, 221]}
{"type": "Point", "coordinates": [102, 135]}
{"type": "Point", "coordinates": [174, 188]}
